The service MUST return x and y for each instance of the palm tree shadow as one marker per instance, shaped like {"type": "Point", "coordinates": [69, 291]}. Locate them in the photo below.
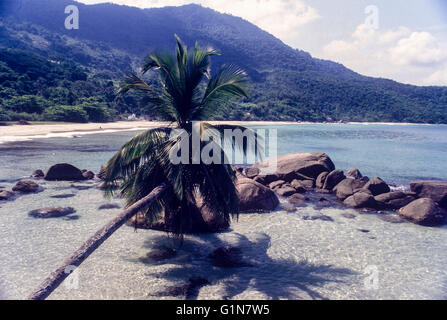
{"type": "Point", "coordinates": [274, 278]}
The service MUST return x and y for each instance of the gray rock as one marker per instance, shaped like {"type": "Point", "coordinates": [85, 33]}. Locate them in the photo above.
{"type": "Point", "coordinates": [424, 211]}
{"type": "Point", "coordinates": [45, 213]}
{"type": "Point", "coordinates": [88, 175]}
{"type": "Point", "coordinates": [6, 195]}
{"type": "Point", "coordinates": [346, 188]}
{"type": "Point", "coordinates": [377, 186]}
{"type": "Point", "coordinates": [321, 179]}
{"type": "Point", "coordinates": [64, 172]}
{"type": "Point", "coordinates": [435, 190]}
{"type": "Point", "coordinates": [276, 184]}
{"type": "Point", "coordinates": [285, 191]}
{"type": "Point", "coordinates": [254, 196]}
{"type": "Point", "coordinates": [353, 173]}
{"type": "Point", "coordinates": [38, 174]}
{"type": "Point", "coordinates": [393, 200]}
{"type": "Point", "coordinates": [26, 186]}
{"type": "Point", "coordinates": [333, 178]}
{"type": "Point", "coordinates": [252, 172]}
{"type": "Point", "coordinates": [360, 200]}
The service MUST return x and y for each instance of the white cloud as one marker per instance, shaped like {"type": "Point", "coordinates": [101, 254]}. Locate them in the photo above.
{"type": "Point", "coordinates": [399, 54]}
{"type": "Point", "coordinates": [282, 18]}
{"type": "Point", "coordinates": [419, 48]}
{"type": "Point", "coordinates": [438, 78]}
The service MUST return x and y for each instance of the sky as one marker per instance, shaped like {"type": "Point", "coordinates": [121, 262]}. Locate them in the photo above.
{"type": "Point", "coordinates": [403, 40]}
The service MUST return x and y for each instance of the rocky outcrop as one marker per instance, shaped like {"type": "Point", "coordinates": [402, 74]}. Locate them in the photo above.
{"type": "Point", "coordinates": [319, 183]}
{"type": "Point", "coordinates": [26, 186]}
{"type": "Point", "coordinates": [424, 211]}
{"type": "Point", "coordinates": [361, 199]}
{"type": "Point", "coordinates": [377, 186]}
{"type": "Point", "coordinates": [353, 173]}
{"type": "Point", "coordinates": [393, 200]}
{"type": "Point", "coordinates": [64, 172]}
{"type": "Point", "coordinates": [51, 212]}
{"type": "Point", "coordinates": [294, 166]}
{"type": "Point", "coordinates": [333, 178]}
{"type": "Point", "coordinates": [435, 190]}
{"type": "Point", "coordinates": [254, 196]}
{"type": "Point", "coordinates": [348, 187]}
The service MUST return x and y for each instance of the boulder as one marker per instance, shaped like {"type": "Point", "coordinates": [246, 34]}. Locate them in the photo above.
{"type": "Point", "coordinates": [360, 200]}
{"type": "Point", "coordinates": [252, 172]}
{"type": "Point", "coordinates": [6, 195]}
{"type": "Point", "coordinates": [299, 186]}
{"type": "Point", "coordinates": [353, 173]}
{"type": "Point", "coordinates": [333, 178]}
{"type": "Point", "coordinates": [346, 188]}
{"type": "Point", "coordinates": [51, 212]}
{"type": "Point", "coordinates": [321, 179]}
{"type": "Point", "coordinates": [307, 164]}
{"type": "Point", "coordinates": [38, 174]}
{"type": "Point", "coordinates": [435, 190]}
{"type": "Point", "coordinates": [254, 196]}
{"type": "Point", "coordinates": [88, 175]}
{"type": "Point", "coordinates": [308, 184]}
{"type": "Point", "coordinates": [297, 199]}
{"type": "Point", "coordinates": [377, 186]}
{"type": "Point", "coordinates": [109, 206]}
{"type": "Point", "coordinates": [26, 186]}
{"type": "Point", "coordinates": [285, 191]}
{"type": "Point", "coordinates": [64, 172]}
{"type": "Point", "coordinates": [424, 211]}
{"type": "Point", "coordinates": [276, 184]}
{"type": "Point", "coordinates": [393, 200]}
{"type": "Point", "coordinates": [266, 179]}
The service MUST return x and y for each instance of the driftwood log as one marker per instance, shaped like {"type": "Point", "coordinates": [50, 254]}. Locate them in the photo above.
{"type": "Point", "coordinates": [75, 260]}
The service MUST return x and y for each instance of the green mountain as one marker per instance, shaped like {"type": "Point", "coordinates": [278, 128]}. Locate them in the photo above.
{"type": "Point", "coordinates": [43, 63]}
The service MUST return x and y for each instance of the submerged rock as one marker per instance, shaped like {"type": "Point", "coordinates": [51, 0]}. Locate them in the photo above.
{"type": "Point", "coordinates": [254, 196]}
{"type": "Point", "coordinates": [285, 191]}
{"type": "Point", "coordinates": [64, 172]}
{"type": "Point", "coordinates": [109, 206]}
{"type": "Point", "coordinates": [26, 186]}
{"type": "Point", "coordinates": [424, 211]}
{"type": "Point", "coordinates": [38, 174]}
{"type": "Point", "coordinates": [6, 195]}
{"type": "Point", "coordinates": [227, 257]}
{"type": "Point", "coordinates": [51, 212]}
{"type": "Point", "coordinates": [435, 190]}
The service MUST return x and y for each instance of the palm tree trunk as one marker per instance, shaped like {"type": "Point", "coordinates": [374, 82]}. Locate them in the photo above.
{"type": "Point", "coordinates": [59, 275]}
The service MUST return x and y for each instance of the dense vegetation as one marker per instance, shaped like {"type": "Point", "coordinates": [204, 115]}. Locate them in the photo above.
{"type": "Point", "coordinates": [74, 69]}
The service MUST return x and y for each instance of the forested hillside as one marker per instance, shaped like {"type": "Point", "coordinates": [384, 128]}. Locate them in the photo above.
{"type": "Point", "coordinates": [50, 73]}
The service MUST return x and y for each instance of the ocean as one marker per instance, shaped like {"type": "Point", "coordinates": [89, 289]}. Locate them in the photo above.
{"type": "Point", "coordinates": [291, 256]}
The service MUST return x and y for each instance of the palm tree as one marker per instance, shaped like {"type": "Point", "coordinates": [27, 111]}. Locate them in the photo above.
{"type": "Point", "coordinates": [150, 182]}
{"type": "Point", "coordinates": [187, 92]}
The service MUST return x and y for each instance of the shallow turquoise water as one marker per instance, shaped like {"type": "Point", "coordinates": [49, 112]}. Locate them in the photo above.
{"type": "Point", "coordinates": [292, 257]}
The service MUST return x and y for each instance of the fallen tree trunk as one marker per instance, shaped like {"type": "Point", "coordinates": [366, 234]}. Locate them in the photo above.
{"type": "Point", "coordinates": [59, 275]}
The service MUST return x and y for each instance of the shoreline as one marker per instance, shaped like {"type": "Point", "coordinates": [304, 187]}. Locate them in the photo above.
{"type": "Point", "coordinates": [16, 132]}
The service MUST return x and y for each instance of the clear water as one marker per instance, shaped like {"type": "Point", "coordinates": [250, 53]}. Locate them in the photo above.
{"type": "Point", "coordinates": [291, 257]}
